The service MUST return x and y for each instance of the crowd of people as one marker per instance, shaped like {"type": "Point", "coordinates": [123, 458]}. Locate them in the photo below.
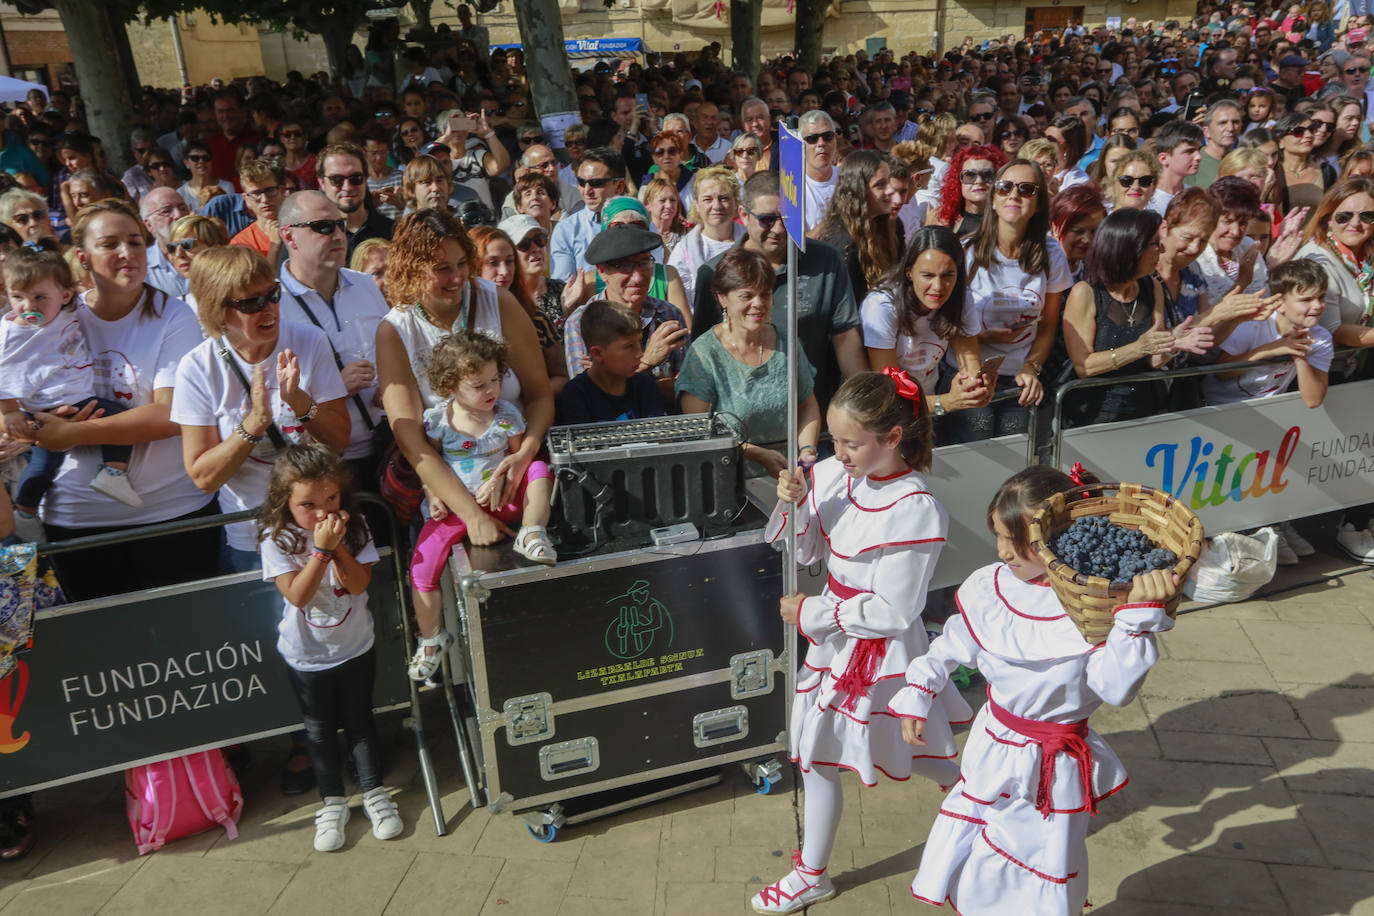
{"type": "Point", "coordinates": [421, 279]}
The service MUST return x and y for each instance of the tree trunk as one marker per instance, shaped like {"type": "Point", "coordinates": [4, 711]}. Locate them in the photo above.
{"type": "Point", "coordinates": [746, 41]}
{"type": "Point", "coordinates": [546, 63]}
{"type": "Point", "coordinates": [120, 33]}
{"type": "Point", "coordinates": [810, 32]}
{"type": "Point", "coordinates": [421, 10]}
{"type": "Point", "coordinates": [104, 82]}
{"type": "Point", "coordinates": [337, 36]}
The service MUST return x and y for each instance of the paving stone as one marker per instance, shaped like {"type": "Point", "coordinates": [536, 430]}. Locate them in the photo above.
{"type": "Point", "coordinates": [1336, 768]}
{"type": "Point", "coordinates": [1203, 747]}
{"type": "Point", "coordinates": [775, 829]}
{"type": "Point", "coordinates": [756, 866]}
{"type": "Point", "coordinates": [103, 852]}
{"type": "Point", "coordinates": [693, 899]}
{"type": "Point", "coordinates": [461, 882]}
{"type": "Point", "coordinates": [1207, 881]}
{"type": "Point", "coordinates": [506, 837]}
{"type": "Point", "coordinates": [205, 886]}
{"type": "Point", "coordinates": [288, 836]}
{"type": "Point", "coordinates": [870, 898]}
{"type": "Point", "coordinates": [1337, 712]}
{"type": "Point", "coordinates": [70, 898]}
{"type": "Point", "coordinates": [1202, 637]}
{"type": "Point", "coordinates": [1330, 601]}
{"type": "Point", "coordinates": [621, 861]}
{"type": "Point", "coordinates": [527, 887]}
{"type": "Point", "coordinates": [1194, 680]}
{"type": "Point", "coordinates": [1312, 652]}
{"type": "Point", "coordinates": [330, 883]}
{"type": "Point", "coordinates": [1265, 713]}
{"type": "Point", "coordinates": [1343, 826]}
{"type": "Point", "coordinates": [1254, 609]}
{"type": "Point", "coordinates": [1319, 891]}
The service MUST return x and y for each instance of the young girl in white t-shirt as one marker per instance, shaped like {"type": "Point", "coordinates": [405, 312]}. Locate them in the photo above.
{"type": "Point", "coordinates": [45, 364]}
{"type": "Point", "coordinates": [317, 549]}
{"type": "Point", "coordinates": [477, 434]}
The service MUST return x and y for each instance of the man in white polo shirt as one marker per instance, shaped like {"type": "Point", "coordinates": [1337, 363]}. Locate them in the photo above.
{"type": "Point", "coordinates": [818, 132]}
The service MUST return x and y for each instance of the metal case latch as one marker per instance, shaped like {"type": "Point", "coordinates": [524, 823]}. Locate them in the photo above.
{"type": "Point", "coordinates": [719, 726]}
{"type": "Point", "coordinates": [751, 674]}
{"type": "Point", "coordinates": [569, 758]}
{"type": "Point", "coordinates": [528, 719]}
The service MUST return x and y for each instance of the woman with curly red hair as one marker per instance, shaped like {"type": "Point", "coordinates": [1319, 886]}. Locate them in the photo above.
{"type": "Point", "coordinates": [968, 188]}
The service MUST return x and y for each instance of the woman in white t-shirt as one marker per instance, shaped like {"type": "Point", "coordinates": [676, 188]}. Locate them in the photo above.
{"type": "Point", "coordinates": [914, 313]}
{"type": "Point", "coordinates": [1017, 274]}
{"type": "Point", "coordinates": [715, 195]}
{"type": "Point", "coordinates": [137, 335]}
{"type": "Point", "coordinates": [253, 385]}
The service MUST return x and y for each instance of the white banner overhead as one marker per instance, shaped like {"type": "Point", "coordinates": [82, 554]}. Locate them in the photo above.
{"type": "Point", "coordinates": [1245, 464]}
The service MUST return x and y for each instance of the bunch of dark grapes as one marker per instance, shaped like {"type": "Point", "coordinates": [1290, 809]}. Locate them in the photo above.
{"type": "Point", "coordinates": [1094, 546]}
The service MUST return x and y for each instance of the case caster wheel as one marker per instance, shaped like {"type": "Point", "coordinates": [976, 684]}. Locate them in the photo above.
{"type": "Point", "coordinates": [764, 774]}
{"type": "Point", "coordinates": [544, 833]}
{"type": "Point", "coordinates": [764, 787]}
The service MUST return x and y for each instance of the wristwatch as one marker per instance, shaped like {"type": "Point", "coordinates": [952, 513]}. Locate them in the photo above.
{"type": "Point", "coordinates": [939, 407]}
{"type": "Point", "coordinates": [310, 414]}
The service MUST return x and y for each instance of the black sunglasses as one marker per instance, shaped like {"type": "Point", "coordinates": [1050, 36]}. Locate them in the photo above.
{"type": "Point", "coordinates": [766, 220]}
{"type": "Point", "coordinates": [1145, 181]}
{"type": "Point", "coordinates": [1024, 188]}
{"type": "Point", "coordinates": [538, 240]}
{"type": "Point", "coordinates": [322, 226]}
{"type": "Point", "coordinates": [985, 116]}
{"type": "Point", "coordinates": [254, 304]}
{"type": "Point", "coordinates": [1301, 131]}
{"type": "Point", "coordinates": [183, 244]}
{"type": "Point", "coordinates": [533, 138]}
{"type": "Point", "coordinates": [593, 182]}
{"type": "Point", "coordinates": [824, 136]}
{"type": "Point", "coordinates": [1341, 217]}
{"type": "Point", "coordinates": [1351, 71]}
{"type": "Point", "coordinates": [972, 176]}
{"type": "Point", "coordinates": [354, 179]}
{"type": "Point", "coordinates": [193, 157]}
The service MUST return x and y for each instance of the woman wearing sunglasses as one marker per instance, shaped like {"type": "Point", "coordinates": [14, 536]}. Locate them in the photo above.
{"type": "Point", "coordinates": [1343, 115]}
{"type": "Point", "coordinates": [967, 189]}
{"type": "Point", "coordinates": [198, 163]}
{"type": "Point", "coordinates": [137, 335]}
{"type": "Point", "coordinates": [1134, 181]}
{"type": "Point", "coordinates": [299, 161]}
{"type": "Point", "coordinates": [190, 237]}
{"type": "Point", "coordinates": [667, 149]}
{"type": "Point", "coordinates": [743, 158]}
{"type": "Point", "coordinates": [1009, 136]}
{"type": "Point", "coordinates": [1302, 176]}
{"type": "Point", "coordinates": [1340, 237]}
{"type": "Point", "coordinates": [161, 169]}
{"type": "Point", "coordinates": [505, 264]}
{"type": "Point", "coordinates": [254, 385]}
{"type": "Point", "coordinates": [1017, 276]}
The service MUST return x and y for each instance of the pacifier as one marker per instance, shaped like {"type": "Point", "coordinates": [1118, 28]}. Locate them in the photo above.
{"type": "Point", "coordinates": [31, 316]}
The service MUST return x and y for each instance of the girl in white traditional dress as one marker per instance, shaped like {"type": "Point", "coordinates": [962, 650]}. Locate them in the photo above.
{"type": "Point", "coordinates": [870, 515]}
{"type": "Point", "coordinates": [1011, 836]}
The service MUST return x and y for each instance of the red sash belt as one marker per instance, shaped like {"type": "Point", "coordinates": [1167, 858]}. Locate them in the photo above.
{"type": "Point", "coordinates": [1053, 738]}
{"type": "Point", "coordinates": [865, 658]}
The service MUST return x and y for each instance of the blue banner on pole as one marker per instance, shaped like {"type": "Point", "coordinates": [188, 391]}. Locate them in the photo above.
{"type": "Point", "coordinates": [792, 182]}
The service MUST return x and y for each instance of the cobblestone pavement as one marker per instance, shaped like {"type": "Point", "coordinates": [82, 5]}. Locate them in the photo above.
{"type": "Point", "coordinates": [1251, 792]}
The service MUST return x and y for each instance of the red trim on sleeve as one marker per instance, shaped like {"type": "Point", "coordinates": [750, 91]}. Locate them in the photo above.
{"type": "Point", "coordinates": [1139, 604]}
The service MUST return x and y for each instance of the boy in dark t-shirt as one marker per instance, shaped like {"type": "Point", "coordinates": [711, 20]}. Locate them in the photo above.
{"type": "Point", "coordinates": [611, 389]}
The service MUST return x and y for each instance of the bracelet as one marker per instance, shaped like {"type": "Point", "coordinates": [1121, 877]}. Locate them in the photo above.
{"type": "Point", "coordinates": [245, 435]}
{"type": "Point", "coordinates": [312, 412]}
{"type": "Point", "coordinates": [326, 555]}
{"type": "Point", "coordinates": [805, 448]}
{"type": "Point", "coordinates": [1032, 364]}
{"type": "Point", "coordinates": [1112, 354]}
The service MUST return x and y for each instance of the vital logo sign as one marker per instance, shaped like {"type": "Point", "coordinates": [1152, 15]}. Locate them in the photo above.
{"type": "Point", "coordinates": [1219, 475]}
{"type": "Point", "coordinates": [788, 184]}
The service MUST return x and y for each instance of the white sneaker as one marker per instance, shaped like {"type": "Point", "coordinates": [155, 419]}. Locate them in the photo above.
{"type": "Point", "coordinates": [795, 891]}
{"type": "Point", "coordinates": [114, 483]}
{"type": "Point", "coordinates": [329, 824]}
{"type": "Point", "coordinates": [1287, 556]}
{"type": "Point", "coordinates": [1358, 542]}
{"type": "Point", "coordinates": [381, 810]}
{"type": "Point", "coordinates": [1301, 546]}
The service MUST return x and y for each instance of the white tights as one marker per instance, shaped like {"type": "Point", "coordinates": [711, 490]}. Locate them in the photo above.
{"type": "Point", "coordinates": [821, 818]}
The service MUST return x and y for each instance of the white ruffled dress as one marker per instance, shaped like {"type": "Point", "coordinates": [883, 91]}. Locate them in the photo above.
{"type": "Point", "coordinates": [880, 538]}
{"type": "Point", "coordinates": [992, 851]}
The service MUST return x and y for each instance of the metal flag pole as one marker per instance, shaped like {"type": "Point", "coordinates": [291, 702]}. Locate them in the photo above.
{"type": "Point", "coordinates": [791, 206]}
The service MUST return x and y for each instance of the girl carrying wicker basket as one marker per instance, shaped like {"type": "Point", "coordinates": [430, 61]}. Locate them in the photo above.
{"type": "Point", "coordinates": [1011, 834]}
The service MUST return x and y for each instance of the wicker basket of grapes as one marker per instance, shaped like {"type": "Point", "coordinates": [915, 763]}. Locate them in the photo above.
{"type": "Point", "coordinates": [1094, 539]}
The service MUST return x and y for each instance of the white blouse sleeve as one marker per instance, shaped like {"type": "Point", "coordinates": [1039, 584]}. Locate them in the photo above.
{"type": "Point", "coordinates": [928, 674]}
{"type": "Point", "coordinates": [1117, 669]}
{"type": "Point", "coordinates": [900, 578]}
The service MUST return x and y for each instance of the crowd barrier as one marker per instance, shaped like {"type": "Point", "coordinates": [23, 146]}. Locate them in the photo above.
{"type": "Point", "coordinates": [1238, 465]}
{"type": "Point", "coordinates": [115, 682]}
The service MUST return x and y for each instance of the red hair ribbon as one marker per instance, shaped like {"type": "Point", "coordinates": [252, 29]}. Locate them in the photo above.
{"type": "Point", "coordinates": [906, 388]}
{"type": "Point", "coordinates": [1076, 473]}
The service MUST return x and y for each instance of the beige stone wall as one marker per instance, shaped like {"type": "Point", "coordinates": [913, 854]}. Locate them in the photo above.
{"type": "Point", "coordinates": [211, 48]}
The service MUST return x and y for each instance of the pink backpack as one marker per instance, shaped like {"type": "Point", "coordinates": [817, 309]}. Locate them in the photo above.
{"type": "Point", "coordinates": [181, 797]}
